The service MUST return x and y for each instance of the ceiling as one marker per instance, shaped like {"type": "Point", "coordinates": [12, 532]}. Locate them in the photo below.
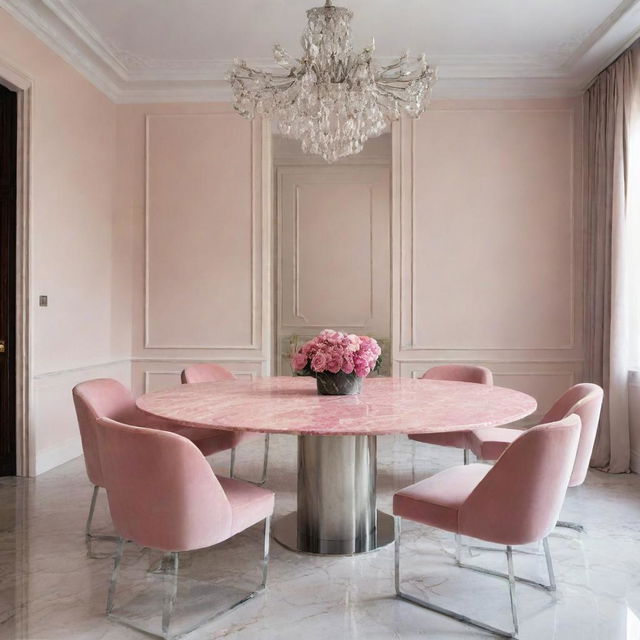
{"type": "Point", "coordinates": [150, 50]}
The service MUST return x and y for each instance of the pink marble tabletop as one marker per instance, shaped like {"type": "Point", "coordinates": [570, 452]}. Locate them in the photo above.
{"type": "Point", "coordinates": [291, 405]}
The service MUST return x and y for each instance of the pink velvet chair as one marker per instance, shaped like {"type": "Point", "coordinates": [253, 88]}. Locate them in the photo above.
{"type": "Point", "coordinates": [514, 502]}
{"type": "Point", "coordinates": [209, 372]}
{"type": "Point", "coordinates": [108, 398]}
{"type": "Point", "coordinates": [164, 495]}
{"type": "Point", "coordinates": [585, 400]}
{"type": "Point", "coordinates": [454, 373]}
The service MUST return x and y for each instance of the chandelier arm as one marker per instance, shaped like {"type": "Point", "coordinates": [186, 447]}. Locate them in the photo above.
{"type": "Point", "coordinates": [256, 73]}
{"type": "Point", "coordinates": [395, 65]}
{"type": "Point", "coordinates": [404, 78]}
{"type": "Point", "coordinates": [403, 83]}
{"type": "Point", "coordinates": [331, 98]}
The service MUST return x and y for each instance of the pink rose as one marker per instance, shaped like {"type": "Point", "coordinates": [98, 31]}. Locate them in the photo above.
{"type": "Point", "coordinates": [319, 362]}
{"type": "Point", "coordinates": [299, 361]}
{"type": "Point", "coordinates": [347, 363]}
{"type": "Point", "coordinates": [361, 366]}
{"type": "Point", "coordinates": [334, 360]}
{"type": "Point", "coordinates": [335, 351]}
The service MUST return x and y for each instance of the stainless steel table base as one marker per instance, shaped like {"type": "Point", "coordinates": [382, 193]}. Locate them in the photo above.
{"type": "Point", "coordinates": [336, 498]}
{"type": "Point", "coordinates": [285, 531]}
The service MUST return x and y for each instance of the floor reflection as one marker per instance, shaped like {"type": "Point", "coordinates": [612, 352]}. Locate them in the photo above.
{"type": "Point", "coordinates": [50, 589]}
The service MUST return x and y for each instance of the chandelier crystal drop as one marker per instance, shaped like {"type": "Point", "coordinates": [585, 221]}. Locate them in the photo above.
{"type": "Point", "coordinates": [332, 99]}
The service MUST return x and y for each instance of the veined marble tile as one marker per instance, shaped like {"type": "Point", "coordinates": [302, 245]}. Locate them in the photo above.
{"type": "Point", "coordinates": [50, 589]}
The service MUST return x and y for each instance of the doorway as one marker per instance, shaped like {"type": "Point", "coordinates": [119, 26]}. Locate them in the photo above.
{"type": "Point", "coordinates": [333, 246]}
{"type": "Point", "coordinates": [8, 208]}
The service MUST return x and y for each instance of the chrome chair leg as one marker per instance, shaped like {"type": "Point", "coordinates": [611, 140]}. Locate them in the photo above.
{"type": "Point", "coordinates": [117, 559]}
{"type": "Point", "coordinates": [480, 549]}
{"type": "Point", "coordinates": [266, 553]}
{"type": "Point", "coordinates": [252, 594]}
{"type": "Point", "coordinates": [397, 530]}
{"type": "Point", "coordinates": [232, 463]}
{"type": "Point", "coordinates": [265, 464]}
{"type": "Point", "coordinates": [92, 508]}
{"type": "Point", "coordinates": [88, 535]}
{"type": "Point", "coordinates": [512, 590]}
{"type": "Point", "coordinates": [170, 577]}
{"type": "Point", "coordinates": [265, 460]}
{"type": "Point", "coordinates": [448, 612]}
{"type": "Point", "coordinates": [532, 583]}
{"type": "Point", "coordinates": [571, 525]}
{"type": "Point", "coordinates": [170, 560]}
{"type": "Point", "coordinates": [465, 456]}
{"type": "Point", "coordinates": [550, 571]}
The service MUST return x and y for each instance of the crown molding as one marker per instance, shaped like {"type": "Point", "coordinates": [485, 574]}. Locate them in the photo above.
{"type": "Point", "coordinates": [47, 26]}
{"type": "Point", "coordinates": [605, 44]}
{"type": "Point", "coordinates": [69, 15]}
{"type": "Point", "coordinates": [129, 78]}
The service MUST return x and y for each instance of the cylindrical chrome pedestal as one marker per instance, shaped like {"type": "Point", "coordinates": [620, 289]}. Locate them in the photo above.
{"type": "Point", "coordinates": [336, 498]}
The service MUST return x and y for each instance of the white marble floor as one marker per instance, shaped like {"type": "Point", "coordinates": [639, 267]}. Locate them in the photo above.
{"type": "Point", "coordinates": [50, 589]}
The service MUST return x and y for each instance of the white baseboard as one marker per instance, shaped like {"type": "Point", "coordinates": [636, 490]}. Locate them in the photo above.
{"type": "Point", "coordinates": [47, 460]}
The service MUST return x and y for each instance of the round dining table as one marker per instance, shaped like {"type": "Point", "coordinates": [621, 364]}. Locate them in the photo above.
{"type": "Point", "coordinates": [336, 512]}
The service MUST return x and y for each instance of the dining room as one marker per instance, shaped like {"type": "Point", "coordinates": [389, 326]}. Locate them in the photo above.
{"type": "Point", "coordinates": [319, 320]}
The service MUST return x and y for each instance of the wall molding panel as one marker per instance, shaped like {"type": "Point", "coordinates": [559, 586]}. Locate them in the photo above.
{"type": "Point", "coordinates": [297, 313]}
{"type": "Point", "coordinates": [574, 192]}
{"type": "Point", "coordinates": [153, 375]}
{"type": "Point", "coordinates": [239, 322]}
{"type": "Point", "coordinates": [51, 405]}
{"type": "Point", "coordinates": [333, 252]}
{"type": "Point", "coordinates": [254, 236]}
{"type": "Point", "coordinates": [547, 359]}
{"type": "Point", "coordinates": [544, 380]}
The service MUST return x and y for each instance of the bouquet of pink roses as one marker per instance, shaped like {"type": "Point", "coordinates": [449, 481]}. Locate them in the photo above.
{"type": "Point", "coordinates": [334, 352]}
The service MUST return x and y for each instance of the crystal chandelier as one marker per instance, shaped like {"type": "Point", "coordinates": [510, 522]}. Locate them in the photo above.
{"type": "Point", "coordinates": [332, 99]}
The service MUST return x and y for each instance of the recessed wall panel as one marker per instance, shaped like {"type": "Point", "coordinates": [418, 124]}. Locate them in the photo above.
{"type": "Point", "coordinates": [199, 232]}
{"type": "Point", "coordinates": [493, 250]}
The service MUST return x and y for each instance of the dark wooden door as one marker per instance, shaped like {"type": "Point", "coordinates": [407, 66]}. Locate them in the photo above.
{"type": "Point", "coordinates": [8, 166]}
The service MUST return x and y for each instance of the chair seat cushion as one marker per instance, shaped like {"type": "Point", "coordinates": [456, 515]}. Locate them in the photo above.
{"type": "Point", "coordinates": [490, 443]}
{"type": "Point", "coordinates": [457, 439]}
{"type": "Point", "coordinates": [249, 504]}
{"type": "Point", "coordinates": [436, 500]}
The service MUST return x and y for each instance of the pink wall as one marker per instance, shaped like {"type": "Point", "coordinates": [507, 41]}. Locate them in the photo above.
{"type": "Point", "coordinates": [73, 159]}
{"type": "Point", "coordinates": [190, 190]}
{"type": "Point", "coordinates": [488, 243]}
{"type": "Point", "coordinates": [145, 275]}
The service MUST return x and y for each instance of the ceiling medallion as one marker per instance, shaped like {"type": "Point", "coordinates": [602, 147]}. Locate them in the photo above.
{"type": "Point", "coordinates": [332, 99]}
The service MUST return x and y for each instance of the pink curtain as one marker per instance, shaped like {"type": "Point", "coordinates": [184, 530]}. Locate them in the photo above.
{"type": "Point", "coordinates": [612, 245]}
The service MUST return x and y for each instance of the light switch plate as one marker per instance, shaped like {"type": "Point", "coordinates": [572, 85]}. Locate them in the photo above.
{"type": "Point", "coordinates": [44, 301]}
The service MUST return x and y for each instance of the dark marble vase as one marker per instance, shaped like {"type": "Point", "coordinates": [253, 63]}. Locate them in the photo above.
{"type": "Point", "coordinates": [338, 384]}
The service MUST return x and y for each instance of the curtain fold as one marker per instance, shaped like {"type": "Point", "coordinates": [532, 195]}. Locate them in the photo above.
{"type": "Point", "coordinates": [612, 245]}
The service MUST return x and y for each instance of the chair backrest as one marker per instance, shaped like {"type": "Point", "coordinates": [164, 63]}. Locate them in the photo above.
{"type": "Point", "coordinates": [205, 372]}
{"type": "Point", "coordinates": [459, 373]}
{"type": "Point", "coordinates": [93, 399]}
{"type": "Point", "coordinates": [585, 400]}
{"type": "Point", "coordinates": [162, 492]}
{"type": "Point", "coordinates": [520, 498]}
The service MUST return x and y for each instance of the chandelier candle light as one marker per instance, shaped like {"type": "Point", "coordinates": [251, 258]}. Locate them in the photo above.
{"type": "Point", "coordinates": [332, 99]}
{"type": "Point", "coordinates": [338, 361]}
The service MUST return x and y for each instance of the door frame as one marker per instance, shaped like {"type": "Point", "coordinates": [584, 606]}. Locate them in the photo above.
{"type": "Point", "coordinates": [282, 163]}
{"type": "Point", "coordinates": [13, 79]}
